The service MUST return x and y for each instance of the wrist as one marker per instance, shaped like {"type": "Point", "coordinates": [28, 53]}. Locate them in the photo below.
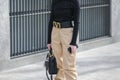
{"type": "Point", "coordinates": [74, 44]}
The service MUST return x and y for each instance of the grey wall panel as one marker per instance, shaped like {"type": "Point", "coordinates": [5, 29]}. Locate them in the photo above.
{"type": "Point", "coordinates": [115, 18]}
{"type": "Point", "coordinates": [94, 19]}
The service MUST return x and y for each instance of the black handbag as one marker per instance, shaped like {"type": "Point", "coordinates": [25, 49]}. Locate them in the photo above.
{"type": "Point", "coordinates": [50, 64]}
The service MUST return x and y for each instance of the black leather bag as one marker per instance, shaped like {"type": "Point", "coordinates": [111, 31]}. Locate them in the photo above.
{"type": "Point", "coordinates": [50, 64]}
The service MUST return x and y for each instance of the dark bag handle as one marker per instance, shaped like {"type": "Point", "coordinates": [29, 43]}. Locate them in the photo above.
{"type": "Point", "coordinates": [50, 51]}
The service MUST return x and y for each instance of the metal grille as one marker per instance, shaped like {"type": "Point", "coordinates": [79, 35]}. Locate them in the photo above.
{"type": "Point", "coordinates": [94, 19]}
{"type": "Point", "coordinates": [28, 24]}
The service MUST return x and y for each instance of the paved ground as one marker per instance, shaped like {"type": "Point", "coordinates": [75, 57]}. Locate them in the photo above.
{"type": "Point", "coordinates": [97, 64]}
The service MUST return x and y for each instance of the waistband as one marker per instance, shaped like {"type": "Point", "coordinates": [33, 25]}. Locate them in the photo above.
{"type": "Point", "coordinates": [65, 24]}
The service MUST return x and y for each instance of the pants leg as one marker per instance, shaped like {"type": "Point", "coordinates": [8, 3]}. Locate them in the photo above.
{"type": "Point", "coordinates": [57, 51]}
{"type": "Point", "coordinates": [69, 60]}
{"type": "Point", "coordinates": [66, 62]}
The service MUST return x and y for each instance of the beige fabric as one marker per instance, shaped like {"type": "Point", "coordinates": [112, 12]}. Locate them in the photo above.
{"type": "Point", "coordinates": [66, 62]}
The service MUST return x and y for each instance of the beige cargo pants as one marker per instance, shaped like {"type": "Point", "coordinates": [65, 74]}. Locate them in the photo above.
{"type": "Point", "coordinates": [60, 40]}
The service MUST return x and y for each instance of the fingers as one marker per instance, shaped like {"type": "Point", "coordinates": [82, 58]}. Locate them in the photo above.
{"type": "Point", "coordinates": [73, 49]}
{"type": "Point", "coordinates": [49, 46]}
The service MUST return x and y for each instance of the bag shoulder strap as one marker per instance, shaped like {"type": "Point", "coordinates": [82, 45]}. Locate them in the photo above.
{"type": "Point", "coordinates": [50, 51]}
{"type": "Point", "coordinates": [47, 74]}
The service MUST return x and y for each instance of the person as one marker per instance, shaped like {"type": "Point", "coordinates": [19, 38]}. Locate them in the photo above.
{"type": "Point", "coordinates": [62, 34]}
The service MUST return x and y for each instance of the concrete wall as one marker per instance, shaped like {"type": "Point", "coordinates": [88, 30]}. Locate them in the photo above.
{"type": "Point", "coordinates": [115, 22]}
{"type": "Point", "coordinates": [4, 30]}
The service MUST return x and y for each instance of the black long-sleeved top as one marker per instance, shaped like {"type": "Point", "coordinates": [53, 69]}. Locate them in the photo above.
{"type": "Point", "coordinates": [65, 10]}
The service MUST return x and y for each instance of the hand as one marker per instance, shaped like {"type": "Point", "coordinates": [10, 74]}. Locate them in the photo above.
{"type": "Point", "coordinates": [73, 48]}
{"type": "Point", "coordinates": [49, 46]}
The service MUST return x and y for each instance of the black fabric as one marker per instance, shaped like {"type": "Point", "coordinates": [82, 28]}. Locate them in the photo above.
{"type": "Point", "coordinates": [65, 10]}
{"type": "Point", "coordinates": [66, 24]}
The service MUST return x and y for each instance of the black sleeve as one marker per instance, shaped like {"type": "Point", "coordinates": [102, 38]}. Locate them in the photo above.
{"type": "Point", "coordinates": [50, 25]}
{"type": "Point", "coordinates": [76, 22]}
